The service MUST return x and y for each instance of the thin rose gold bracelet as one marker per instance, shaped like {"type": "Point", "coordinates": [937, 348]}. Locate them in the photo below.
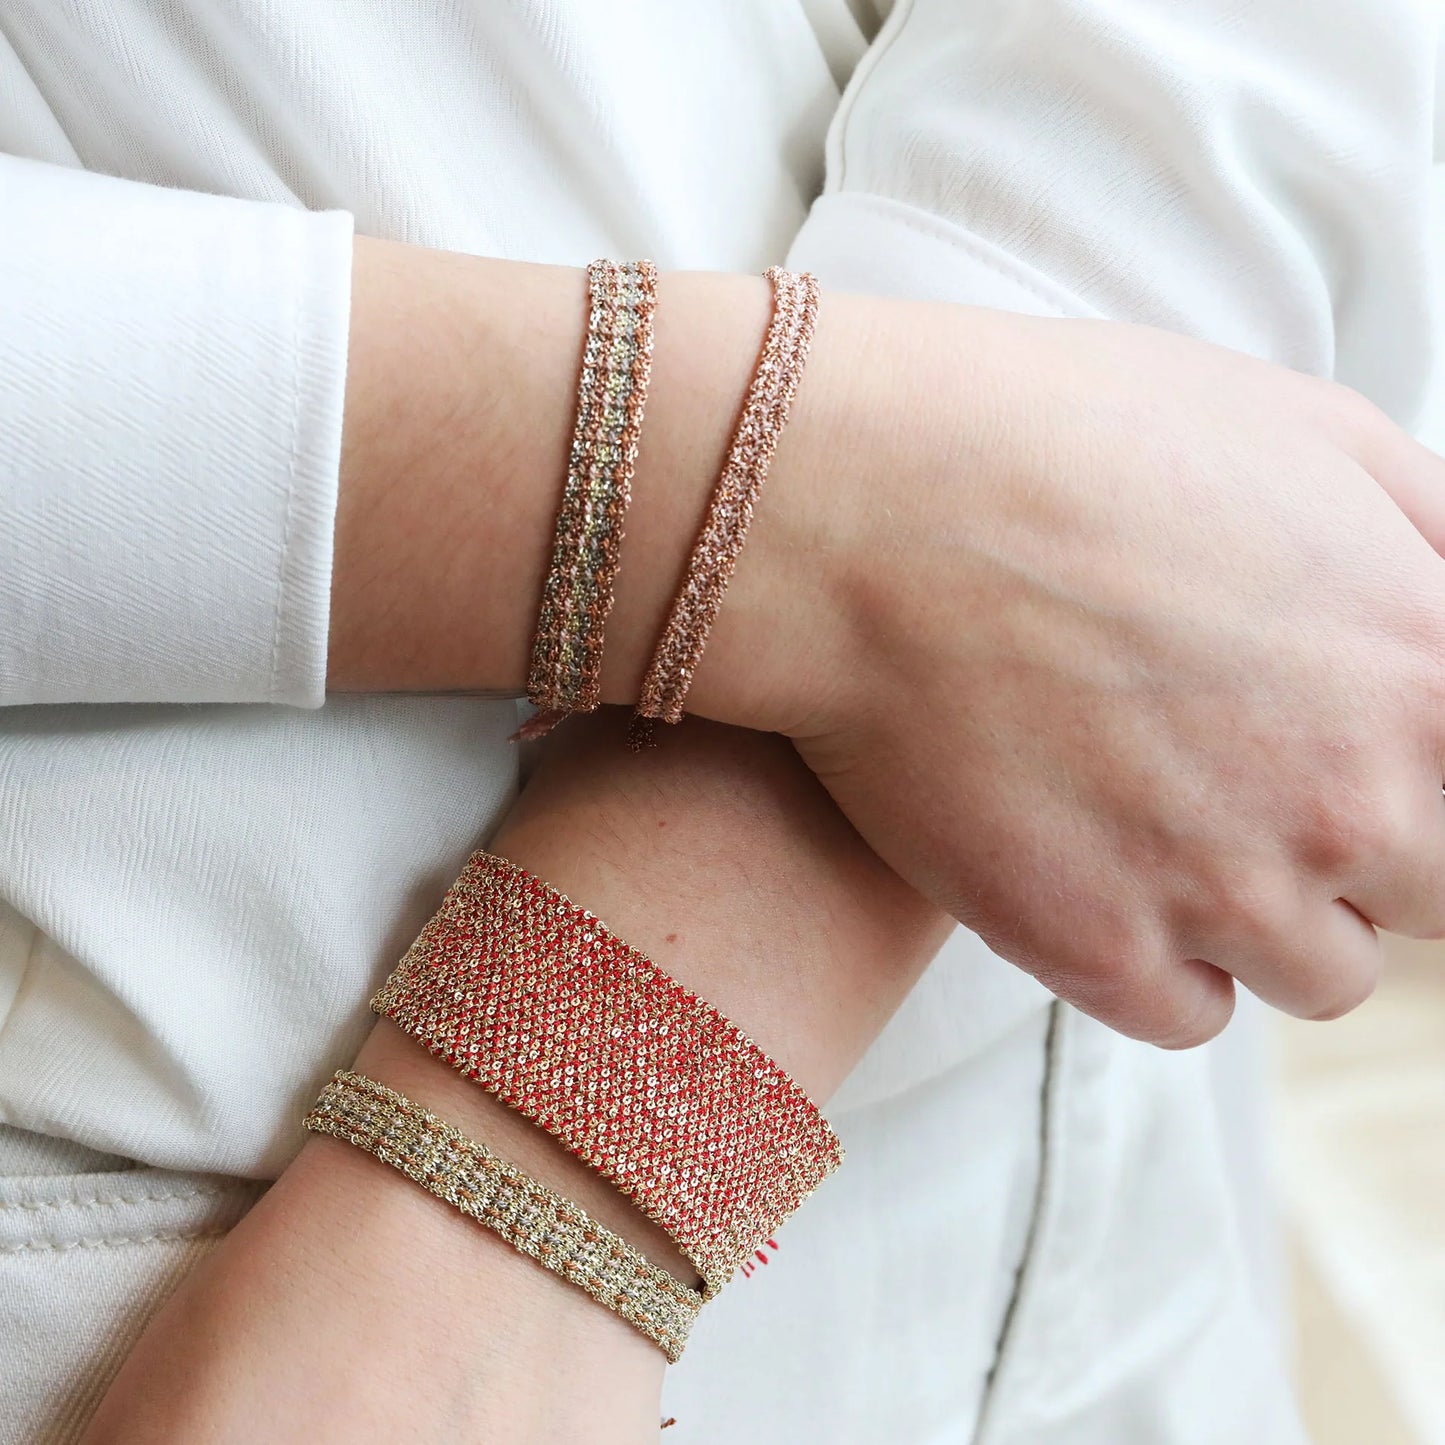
{"type": "Point", "coordinates": [725, 528]}
{"type": "Point", "coordinates": [566, 668]}
{"type": "Point", "coordinates": [542, 1005]}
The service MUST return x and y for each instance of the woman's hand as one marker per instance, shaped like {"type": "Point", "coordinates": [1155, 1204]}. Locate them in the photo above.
{"type": "Point", "coordinates": [1116, 645]}
{"type": "Point", "coordinates": [1121, 647]}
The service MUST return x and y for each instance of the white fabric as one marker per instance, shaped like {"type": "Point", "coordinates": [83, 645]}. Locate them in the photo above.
{"type": "Point", "coordinates": [892, 1308]}
{"type": "Point", "coordinates": [201, 895]}
{"type": "Point", "coordinates": [90, 1246]}
{"type": "Point", "coordinates": [140, 446]}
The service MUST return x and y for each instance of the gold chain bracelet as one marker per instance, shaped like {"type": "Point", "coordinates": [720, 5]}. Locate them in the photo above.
{"type": "Point", "coordinates": [525, 1213]}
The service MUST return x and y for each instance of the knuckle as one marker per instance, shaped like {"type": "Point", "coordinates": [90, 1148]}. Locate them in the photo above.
{"type": "Point", "coordinates": [1193, 1029]}
{"type": "Point", "coordinates": [1377, 827]}
{"type": "Point", "coordinates": [1131, 990]}
{"type": "Point", "coordinates": [1106, 979]}
{"type": "Point", "coordinates": [1254, 905]}
{"type": "Point", "coordinates": [1353, 828]}
{"type": "Point", "coordinates": [1096, 948]}
{"type": "Point", "coordinates": [1188, 1015]}
{"type": "Point", "coordinates": [1205, 1004]}
{"type": "Point", "coordinates": [1113, 969]}
{"type": "Point", "coordinates": [1119, 962]}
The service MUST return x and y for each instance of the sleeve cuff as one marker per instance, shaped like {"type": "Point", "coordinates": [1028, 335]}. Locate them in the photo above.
{"type": "Point", "coordinates": [172, 378]}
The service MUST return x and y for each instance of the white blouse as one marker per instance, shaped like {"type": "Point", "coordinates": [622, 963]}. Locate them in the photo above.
{"type": "Point", "coordinates": [205, 863]}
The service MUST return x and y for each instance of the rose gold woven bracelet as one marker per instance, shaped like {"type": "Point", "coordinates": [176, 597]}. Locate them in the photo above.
{"type": "Point", "coordinates": [566, 667]}
{"type": "Point", "coordinates": [538, 1002]}
{"type": "Point", "coordinates": [725, 528]}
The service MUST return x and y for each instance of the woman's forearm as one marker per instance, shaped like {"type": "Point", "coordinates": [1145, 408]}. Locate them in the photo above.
{"type": "Point", "coordinates": [461, 387]}
{"type": "Point", "coordinates": [1025, 594]}
{"type": "Point", "coordinates": [721, 858]}
{"type": "Point", "coordinates": [724, 860]}
{"type": "Point", "coordinates": [351, 1301]}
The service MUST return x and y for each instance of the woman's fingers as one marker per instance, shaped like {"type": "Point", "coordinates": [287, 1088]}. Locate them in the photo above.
{"type": "Point", "coordinates": [1317, 964]}
{"type": "Point", "coordinates": [1175, 1004]}
{"type": "Point", "coordinates": [1396, 876]}
{"type": "Point", "coordinates": [1141, 988]}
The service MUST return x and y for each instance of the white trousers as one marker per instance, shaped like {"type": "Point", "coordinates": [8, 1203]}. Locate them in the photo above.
{"type": "Point", "coordinates": [1056, 1242]}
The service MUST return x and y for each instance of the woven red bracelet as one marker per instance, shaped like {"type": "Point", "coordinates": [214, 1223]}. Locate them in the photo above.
{"type": "Point", "coordinates": [534, 998]}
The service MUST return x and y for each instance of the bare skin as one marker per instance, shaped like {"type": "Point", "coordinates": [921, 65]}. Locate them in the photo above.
{"type": "Point", "coordinates": [1120, 647]}
{"type": "Point", "coordinates": [727, 862]}
{"type": "Point", "coordinates": [1138, 685]}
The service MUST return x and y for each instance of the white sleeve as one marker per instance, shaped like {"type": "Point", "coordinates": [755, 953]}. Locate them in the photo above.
{"type": "Point", "coordinates": [172, 371]}
{"type": "Point", "coordinates": [1257, 175]}
{"type": "Point", "coordinates": [1440, 96]}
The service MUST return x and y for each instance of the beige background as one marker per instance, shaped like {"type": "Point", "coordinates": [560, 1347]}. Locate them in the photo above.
{"type": "Point", "coordinates": [1361, 1110]}
{"type": "Point", "coordinates": [1361, 1129]}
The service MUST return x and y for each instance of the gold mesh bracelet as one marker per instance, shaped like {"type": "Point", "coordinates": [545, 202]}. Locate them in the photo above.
{"type": "Point", "coordinates": [530, 1217]}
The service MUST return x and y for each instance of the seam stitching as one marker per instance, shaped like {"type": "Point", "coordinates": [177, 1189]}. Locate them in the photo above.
{"type": "Point", "coordinates": [1017, 1313]}
{"type": "Point", "coordinates": [109, 1199]}
{"type": "Point", "coordinates": [60, 1247]}
{"type": "Point", "coordinates": [969, 244]}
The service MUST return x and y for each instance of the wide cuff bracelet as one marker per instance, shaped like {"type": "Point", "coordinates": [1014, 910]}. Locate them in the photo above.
{"type": "Point", "coordinates": [538, 1002]}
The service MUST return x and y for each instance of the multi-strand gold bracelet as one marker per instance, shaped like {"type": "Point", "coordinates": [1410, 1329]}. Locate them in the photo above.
{"type": "Point", "coordinates": [529, 1216]}
{"type": "Point", "coordinates": [566, 669]}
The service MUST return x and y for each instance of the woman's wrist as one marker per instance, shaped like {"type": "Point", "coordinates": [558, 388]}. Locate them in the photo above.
{"type": "Point", "coordinates": [351, 1303]}
{"type": "Point", "coordinates": [355, 1295]}
{"type": "Point", "coordinates": [461, 389]}
{"type": "Point", "coordinates": [807, 956]}
{"type": "Point", "coordinates": [392, 1058]}
{"type": "Point", "coordinates": [459, 411]}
